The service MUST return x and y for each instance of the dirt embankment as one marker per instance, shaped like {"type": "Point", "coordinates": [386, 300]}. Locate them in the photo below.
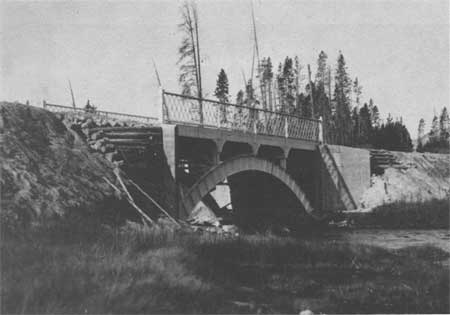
{"type": "Point", "coordinates": [421, 177]}
{"type": "Point", "coordinates": [46, 170]}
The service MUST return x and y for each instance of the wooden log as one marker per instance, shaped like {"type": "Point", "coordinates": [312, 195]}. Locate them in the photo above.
{"type": "Point", "coordinates": [128, 141]}
{"type": "Point", "coordinates": [131, 134]}
{"type": "Point", "coordinates": [124, 147]}
{"type": "Point", "coordinates": [156, 204]}
{"type": "Point", "coordinates": [125, 129]}
{"type": "Point", "coordinates": [130, 199]}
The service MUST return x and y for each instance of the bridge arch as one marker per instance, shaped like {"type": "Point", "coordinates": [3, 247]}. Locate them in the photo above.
{"type": "Point", "coordinates": [237, 165]}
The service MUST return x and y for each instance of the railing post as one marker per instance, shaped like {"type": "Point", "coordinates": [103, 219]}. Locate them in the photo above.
{"type": "Point", "coordinates": [218, 112]}
{"type": "Point", "coordinates": [320, 130]}
{"type": "Point", "coordinates": [44, 104]}
{"type": "Point", "coordinates": [200, 109]}
{"type": "Point", "coordinates": [255, 121]}
{"type": "Point", "coordinates": [286, 127]}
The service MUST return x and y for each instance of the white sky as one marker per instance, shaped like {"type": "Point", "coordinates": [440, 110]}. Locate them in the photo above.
{"type": "Point", "coordinates": [398, 49]}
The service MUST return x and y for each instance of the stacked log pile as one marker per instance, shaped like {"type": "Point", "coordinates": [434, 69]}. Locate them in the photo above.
{"type": "Point", "coordinates": [118, 140]}
{"type": "Point", "coordinates": [124, 144]}
{"type": "Point", "coordinates": [382, 159]}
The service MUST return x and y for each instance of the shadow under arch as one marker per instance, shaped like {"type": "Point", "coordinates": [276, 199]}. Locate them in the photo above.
{"type": "Point", "coordinates": [237, 165]}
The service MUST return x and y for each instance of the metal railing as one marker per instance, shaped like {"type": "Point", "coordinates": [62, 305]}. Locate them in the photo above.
{"type": "Point", "coordinates": [99, 113]}
{"type": "Point", "coordinates": [182, 109]}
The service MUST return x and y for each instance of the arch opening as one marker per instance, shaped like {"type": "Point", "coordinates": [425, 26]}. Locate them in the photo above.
{"type": "Point", "coordinates": [256, 184]}
{"type": "Point", "coordinates": [260, 202]}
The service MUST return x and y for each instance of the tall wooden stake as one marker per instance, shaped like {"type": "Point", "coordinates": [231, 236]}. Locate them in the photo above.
{"type": "Point", "coordinates": [258, 59]}
{"type": "Point", "coordinates": [329, 86]}
{"type": "Point", "coordinates": [312, 92]}
{"type": "Point", "coordinates": [243, 77]}
{"type": "Point", "coordinates": [198, 65]}
{"type": "Point", "coordinates": [156, 73]}
{"type": "Point", "coordinates": [71, 93]}
{"type": "Point", "coordinates": [328, 123]}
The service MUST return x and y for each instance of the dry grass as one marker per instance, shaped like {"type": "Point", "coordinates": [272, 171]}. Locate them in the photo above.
{"type": "Point", "coordinates": [89, 268]}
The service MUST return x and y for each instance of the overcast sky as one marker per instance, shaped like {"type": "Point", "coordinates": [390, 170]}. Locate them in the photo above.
{"type": "Point", "coordinates": [399, 50]}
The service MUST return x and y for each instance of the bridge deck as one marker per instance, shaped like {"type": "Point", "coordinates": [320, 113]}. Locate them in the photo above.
{"type": "Point", "coordinates": [221, 122]}
{"type": "Point", "coordinates": [244, 137]}
{"type": "Point", "coordinates": [200, 117]}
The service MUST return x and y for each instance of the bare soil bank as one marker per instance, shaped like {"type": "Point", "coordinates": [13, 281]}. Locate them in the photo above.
{"type": "Point", "coordinates": [423, 177]}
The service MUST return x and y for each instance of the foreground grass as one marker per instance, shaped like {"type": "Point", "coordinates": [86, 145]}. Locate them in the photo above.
{"type": "Point", "coordinates": [429, 214]}
{"type": "Point", "coordinates": [88, 268]}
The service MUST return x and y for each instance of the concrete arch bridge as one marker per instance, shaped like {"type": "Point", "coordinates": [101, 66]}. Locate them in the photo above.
{"type": "Point", "coordinates": [269, 160]}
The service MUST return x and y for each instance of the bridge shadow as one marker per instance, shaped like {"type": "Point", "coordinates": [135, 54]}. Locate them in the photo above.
{"type": "Point", "coordinates": [261, 202]}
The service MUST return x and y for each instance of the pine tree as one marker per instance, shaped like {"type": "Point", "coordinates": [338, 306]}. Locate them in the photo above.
{"type": "Point", "coordinates": [342, 100]}
{"type": "Point", "coordinates": [188, 61]}
{"type": "Point", "coordinates": [392, 136]}
{"type": "Point", "coordinates": [297, 69]}
{"type": "Point", "coordinates": [322, 99]}
{"type": "Point", "coordinates": [357, 91]}
{"type": "Point", "coordinates": [240, 97]}
{"type": "Point", "coordinates": [421, 135]}
{"type": "Point", "coordinates": [322, 109]}
{"type": "Point", "coordinates": [221, 93]}
{"type": "Point", "coordinates": [249, 94]}
{"type": "Point", "coordinates": [321, 74]}
{"type": "Point", "coordinates": [365, 124]}
{"type": "Point", "coordinates": [286, 86]}
{"type": "Point", "coordinates": [435, 129]}
{"type": "Point", "coordinates": [266, 83]}
{"type": "Point", "coordinates": [375, 116]}
{"type": "Point", "coordinates": [304, 108]}
{"type": "Point", "coordinates": [356, 137]}
{"type": "Point", "coordinates": [389, 119]}
{"type": "Point", "coordinates": [439, 137]}
{"type": "Point", "coordinates": [444, 125]}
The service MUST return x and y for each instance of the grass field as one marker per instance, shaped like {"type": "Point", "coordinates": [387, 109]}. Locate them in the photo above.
{"type": "Point", "coordinates": [81, 267]}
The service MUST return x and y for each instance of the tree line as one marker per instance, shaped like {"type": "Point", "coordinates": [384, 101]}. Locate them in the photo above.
{"type": "Point", "coordinates": [332, 94]}
{"type": "Point", "coordinates": [346, 120]}
{"type": "Point", "coordinates": [437, 139]}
